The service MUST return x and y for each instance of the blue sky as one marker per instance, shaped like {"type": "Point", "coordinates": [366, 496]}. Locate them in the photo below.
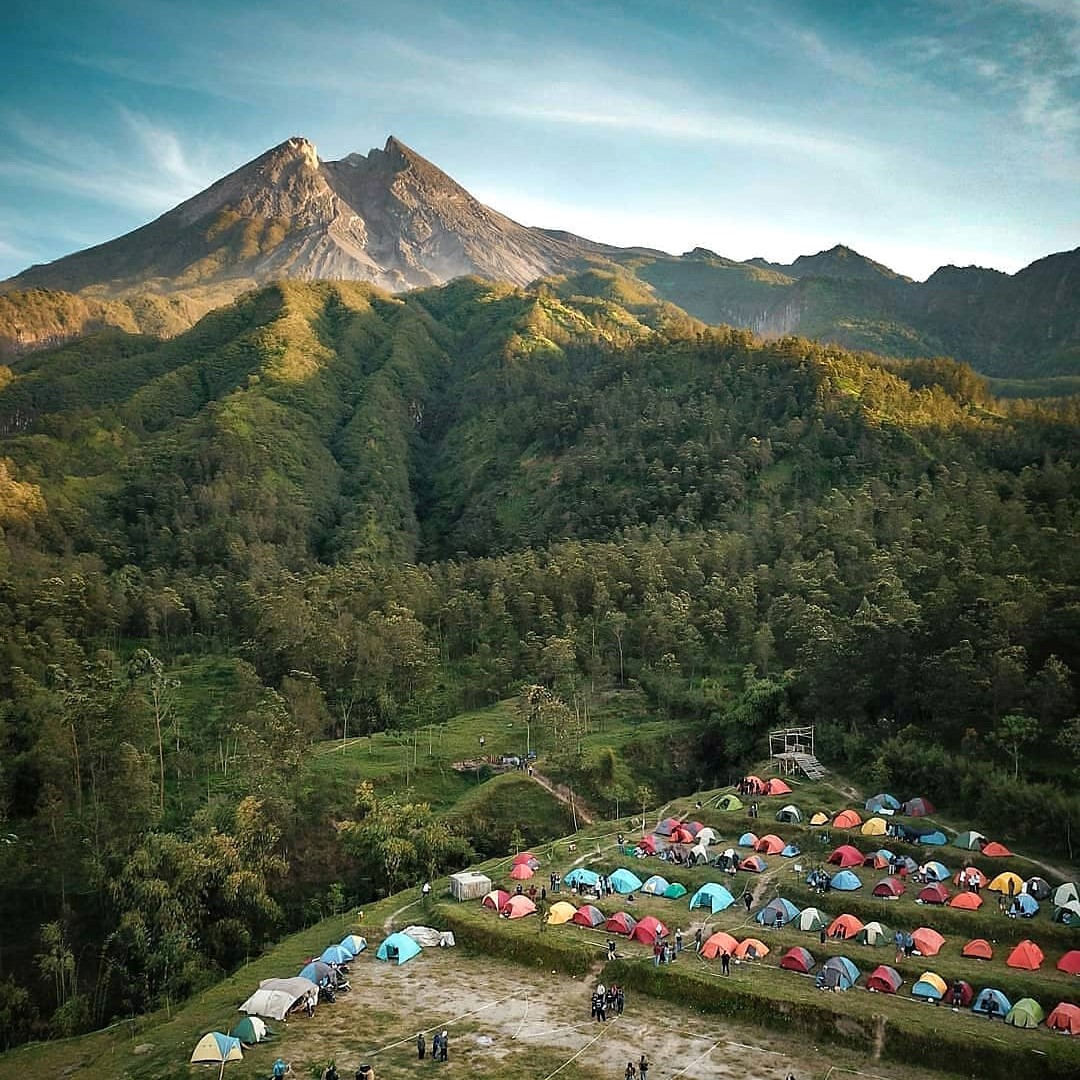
{"type": "Point", "coordinates": [920, 132]}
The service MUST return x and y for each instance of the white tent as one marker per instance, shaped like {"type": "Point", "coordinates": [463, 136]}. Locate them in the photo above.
{"type": "Point", "coordinates": [429, 937]}
{"type": "Point", "coordinates": [706, 836]}
{"type": "Point", "coordinates": [275, 997]}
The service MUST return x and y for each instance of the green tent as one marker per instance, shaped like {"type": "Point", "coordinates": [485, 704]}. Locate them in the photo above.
{"type": "Point", "coordinates": [251, 1030]}
{"type": "Point", "coordinates": [811, 919]}
{"type": "Point", "coordinates": [675, 891]}
{"type": "Point", "coordinates": [874, 933]}
{"type": "Point", "coordinates": [970, 841]}
{"type": "Point", "coordinates": [1027, 1013]}
{"type": "Point", "coordinates": [731, 801]}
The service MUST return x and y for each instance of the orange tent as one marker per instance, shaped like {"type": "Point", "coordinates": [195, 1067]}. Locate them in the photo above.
{"type": "Point", "coordinates": [680, 835]}
{"type": "Point", "coordinates": [777, 787]}
{"type": "Point", "coordinates": [927, 941]}
{"type": "Point", "coordinates": [847, 819]}
{"type": "Point", "coordinates": [521, 872]}
{"type": "Point", "coordinates": [751, 943]}
{"type": "Point", "coordinates": [1064, 1017]}
{"type": "Point", "coordinates": [966, 901]}
{"type": "Point", "coordinates": [1026, 955]}
{"type": "Point", "coordinates": [978, 949]}
{"type": "Point", "coordinates": [518, 907]}
{"type": "Point", "coordinates": [962, 877]}
{"type": "Point", "coordinates": [844, 926]}
{"type": "Point", "coordinates": [1070, 962]}
{"type": "Point", "coordinates": [770, 844]}
{"type": "Point", "coordinates": [757, 785]}
{"type": "Point", "coordinates": [994, 850]}
{"type": "Point", "coordinates": [718, 943]}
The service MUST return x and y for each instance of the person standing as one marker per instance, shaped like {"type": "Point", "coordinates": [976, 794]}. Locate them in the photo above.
{"type": "Point", "coordinates": [656, 950]}
{"type": "Point", "coordinates": [725, 963]}
{"type": "Point", "coordinates": [444, 1045]}
{"type": "Point", "coordinates": [421, 1048]}
{"type": "Point", "coordinates": [643, 1068]}
{"type": "Point", "coordinates": [631, 1072]}
{"type": "Point", "coordinates": [748, 900]}
{"type": "Point", "coordinates": [699, 934]}
{"type": "Point", "coordinates": [611, 949]}
{"type": "Point", "coordinates": [678, 941]}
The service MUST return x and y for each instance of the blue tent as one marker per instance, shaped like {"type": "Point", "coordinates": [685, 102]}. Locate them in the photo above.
{"type": "Point", "coordinates": [622, 881]}
{"type": "Point", "coordinates": [936, 871]}
{"type": "Point", "coordinates": [1024, 905]}
{"type": "Point", "coordinates": [354, 943]}
{"type": "Point", "coordinates": [398, 949]}
{"type": "Point", "coordinates": [927, 990]}
{"type": "Point", "coordinates": [845, 881]}
{"type": "Point", "coordinates": [777, 910]}
{"type": "Point", "coordinates": [791, 850]}
{"type": "Point", "coordinates": [581, 876]}
{"type": "Point", "coordinates": [217, 1047]}
{"type": "Point", "coordinates": [876, 803]}
{"type": "Point", "coordinates": [316, 971]}
{"type": "Point", "coordinates": [886, 854]}
{"type": "Point", "coordinates": [336, 954]}
{"type": "Point", "coordinates": [748, 839]}
{"type": "Point", "coordinates": [981, 1004]}
{"type": "Point", "coordinates": [935, 838]}
{"type": "Point", "coordinates": [839, 972]}
{"type": "Point", "coordinates": [713, 896]}
{"type": "Point", "coordinates": [656, 885]}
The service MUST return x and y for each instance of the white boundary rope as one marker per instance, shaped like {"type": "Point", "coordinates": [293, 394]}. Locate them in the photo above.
{"type": "Point", "coordinates": [605, 1029]}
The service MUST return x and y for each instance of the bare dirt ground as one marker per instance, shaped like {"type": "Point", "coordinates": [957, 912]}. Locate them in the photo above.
{"type": "Point", "coordinates": [503, 1021]}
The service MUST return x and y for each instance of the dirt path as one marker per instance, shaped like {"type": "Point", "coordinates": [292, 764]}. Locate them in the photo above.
{"type": "Point", "coordinates": [388, 922]}
{"type": "Point", "coordinates": [564, 795]}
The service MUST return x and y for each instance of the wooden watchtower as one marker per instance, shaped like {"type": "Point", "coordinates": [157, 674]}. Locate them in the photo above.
{"type": "Point", "coordinates": [792, 751]}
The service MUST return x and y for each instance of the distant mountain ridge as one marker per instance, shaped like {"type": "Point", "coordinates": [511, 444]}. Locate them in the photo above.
{"type": "Point", "coordinates": [394, 219]}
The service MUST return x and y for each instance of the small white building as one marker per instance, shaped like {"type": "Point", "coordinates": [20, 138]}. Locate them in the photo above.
{"type": "Point", "coordinates": [469, 885]}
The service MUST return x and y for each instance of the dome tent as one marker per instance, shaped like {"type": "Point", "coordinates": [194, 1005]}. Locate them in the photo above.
{"type": "Point", "coordinates": [675, 891]}
{"type": "Point", "coordinates": [991, 1002]}
{"type": "Point", "coordinates": [1026, 1013]}
{"type": "Point", "coordinates": [884, 980]}
{"type": "Point", "coordinates": [811, 920]}
{"type": "Point", "coordinates": [978, 949]}
{"type": "Point", "coordinates": [777, 911]}
{"type": "Point", "coordinates": [838, 973]}
{"type": "Point", "coordinates": [656, 885]}
{"type": "Point", "coordinates": [718, 943]}
{"type": "Point", "coordinates": [1025, 955]}
{"type": "Point", "coordinates": [561, 912]}
{"type": "Point", "coordinates": [250, 1030]}
{"type": "Point", "coordinates": [588, 915]}
{"type": "Point", "coordinates": [790, 814]}
{"type": "Point", "coordinates": [845, 881]}
{"type": "Point", "coordinates": [712, 895]}
{"type": "Point", "coordinates": [797, 959]}
{"type": "Point", "coordinates": [217, 1048]}
{"type": "Point", "coordinates": [1064, 1017]}
{"type": "Point", "coordinates": [400, 948]}
{"type": "Point", "coordinates": [874, 933]}
{"type": "Point", "coordinates": [930, 986]}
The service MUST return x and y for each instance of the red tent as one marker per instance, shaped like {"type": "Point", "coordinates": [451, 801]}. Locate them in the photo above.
{"type": "Point", "coordinates": [967, 994]}
{"type": "Point", "coordinates": [668, 826]}
{"type": "Point", "coordinates": [777, 787]}
{"type": "Point", "coordinates": [528, 858]}
{"type": "Point", "coordinates": [753, 864]}
{"type": "Point", "coordinates": [1064, 1017]}
{"type": "Point", "coordinates": [845, 856]}
{"type": "Point", "coordinates": [848, 819]}
{"type": "Point", "coordinates": [718, 943]}
{"type": "Point", "coordinates": [496, 899]}
{"type": "Point", "coordinates": [1026, 955]}
{"type": "Point", "coordinates": [927, 941]}
{"type": "Point", "coordinates": [770, 844]}
{"type": "Point", "coordinates": [966, 901]}
{"type": "Point", "coordinates": [517, 907]}
{"type": "Point", "coordinates": [1070, 962]}
{"type": "Point", "coordinates": [994, 850]}
{"type": "Point", "coordinates": [693, 827]}
{"type": "Point", "coordinates": [918, 807]}
{"type": "Point", "coordinates": [681, 836]}
{"type": "Point", "coordinates": [963, 876]}
{"type": "Point", "coordinates": [521, 872]}
{"type": "Point", "coordinates": [978, 949]}
{"type": "Point", "coordinates": [889, 887]}
{"type": "Point", "coordinates": [588, 915]}
{"type": "Point", "coordinates": [884, 979]}
{"type": "Point", "coordinates": [648, 843]}
{"type": "Point", "coordinates": [797, 959]}
{"type": "Point", "coordinates": [621, 923]}
{"type": "Point", "coordinates": [844, 926]}
{"type": "Point", "coordinates": [757, 785]}
{"type": "Point", "coordinates": [934, 894]}
{"type": "Point", "coordinates": [646, 930]}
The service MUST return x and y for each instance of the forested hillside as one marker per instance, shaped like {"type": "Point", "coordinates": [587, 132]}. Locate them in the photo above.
{"type": "Point", "coordinates": [326, 507]}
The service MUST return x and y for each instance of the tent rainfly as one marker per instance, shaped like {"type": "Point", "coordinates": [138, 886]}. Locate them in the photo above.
{"type": "Point", "coordinates": [469, 885]}
{"type": "Point", "coordinates": [217, 1048]}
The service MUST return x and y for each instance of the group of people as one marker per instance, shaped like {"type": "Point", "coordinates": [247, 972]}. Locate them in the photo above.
{"type": "Point", "coordinates": [556, 883]}
{"type": "Point", "coordinates": [363, 1072]}
{"type": "Point", "coordinates": [610, 999]}
{"type": "Point", "coordinates": [639, 1071]}
{"type": "Point", "coordinates": [440, 1045]}
{"type": "Point", "coordinates": [819, 881]}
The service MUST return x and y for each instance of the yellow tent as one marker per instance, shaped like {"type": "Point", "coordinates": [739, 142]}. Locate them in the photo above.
{"type": "Point", "coordinates": [932, 978]}
{"type": "Point", "coordinates": [1002, 882]}
{"type": "Point", "coordinates": [216, 1048]}
{"type": "Point", "coordinates": [819, 819]}
{"type": "Point", "coordinates": [874, 827]}
{"type": "Point", "coordinates": [561, 912]}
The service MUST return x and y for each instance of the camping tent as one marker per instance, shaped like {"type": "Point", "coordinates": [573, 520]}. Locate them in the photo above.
{"type": "Point", "coordinates": [966, 901]}
{"type": "Point", "coordinates": [748, 839]}
{"type": "Point", "coordinates": [522, 872]}
{"type": "Point", "coordinates": [790, 813]}
{"type": "Point", "coordinates": [681, 835]}
{"type": "Point", "coordinates": [844, 926]}
{"type": "Point", "coordinates": [845, 881]}
{"type": "Point", "coordinates": [731, 801]}
{"type": "Point", "coordinates": [647, 844]}
{"type": "Point", "coordinates": [400, 949]}
{"type": "Point", "coordinates": [1037, 887]}
{"type": "Point", "coordinates": [336, 954]}
{"type": "Point", "coordinates": [756, 784]}
{"type": "Point", "coordinates": [884, 979]}
{"type": "Point", "coordinates": [874, 826]}
{"type": "Point", "coordinates": [889, 888]}
{"type": "Point", "coordinates": [1026, 1013]}
{"type": "Point", "coordinates": [1008, 882]}
{"type": "Point", "coordinates": [847, 819]}
{"type": "Point", "coordinates": [623, 881]}
{"type": "Point", "coordinates": [839, 973]}
{"type": "Point", "coordinates": [769, 844]}
{"type": "Point", "coordinates": [1068, 913]}
{"type": "Point", "coordinates": [820, 818]}
{"type": "Point", "coordinates": [967, 994]}
{"type": "Point", "coordinates": [517, 907]}
{"type": "Point", "coordinates": [589, 916]}
{"type": "Point", "coordinates": [876, 803]}
{"type": "Point", "coordinates": [875, 861]}
{"type": "Point", "coordinates": [620, 923]}
{"type": "Point", "coordinates": [978, 949]}
{"type": "Point", "coordinates": [1064, 1017]}
{"type": "Point", "coordinates": [1024, 906]}
{"type": "Point", "coordinates": [994, 850]}
{"type": "Point", "coordinates": [811, 920]}
{"type": "Point", "coordinates": [791, 851]}
{"type": "Point", "coordinates": [918, 807]}
{"type": "Point", "coordinates": [561, 912]}
{"type": "Point", "coordinates": [934, 839]}
{"type": "Point", "coordinates": [427, 937]}
{"type": "Point", "coordinates": [580, 876]}
{"type": "Point", "coordinates": [874, 933]}
{"type": "Point", "coordinates": [1070, 962]}
{"type": "Point", "coordinates": [934, 871]}
{"type": "Point", "coordinates": [845, 855]}
{"type": "Point", "coordinates": [970, 840]}
{"type": "Point", "coordinates": [707, 836]}
{"type": "Point", "coordinates": [668, 826]}
{"type": "Point", "coordinates": [934, 894]}
{"type": "Point", "coordinates": [797, 959]}
{"type": "Point", "coordinates": [927, 941]}
{"type": "Point", "coordinates": [250, 1030]}
{"type": "Point", "coordinates": [776, 786]}
{"type": "Point", "coordinates": [1026, 955]}
{"type": "Point", "coordinates": [217, 1048]}
{"type": "Point", "coordinates": [656, 885]}
{"type": "Point", "coordinates": [718, 943]}
{"type": "Point", "coordinates": [275, 997]}
{"type": "Point", "coordinates": [777, 911]}
{"type": "Point", "coordinates": [1064, 894]}
{"type": "Point", "coordinates": [316, 971]}
{"type": "Point", "coordinates": [354, 943]}
{"type": "Point", "coordinates": [693, 827]}
{"type": "Point", "coordinates": [528, 858]}
{"type": "Point", "coordinates": [930, 987]}
{"type": "Point", "coordinates": [751, 948]}
{"type": "Point", "coordinates": [1001, 1005]}
{"type": "Point", "coordinates": [712, 895]}
{"type": "Point", "coordinates": [675, 891]}
{"type": "Point", "coordinates": [496, 899]}
{"type": "Point", "coordinates": [965, 875]}
{"type": "Point", "coordinates": [648, 930]}
{"type": "Point", "coordinates": [753, 864]}
{"type": "Point", "coordinates": [469, 885]}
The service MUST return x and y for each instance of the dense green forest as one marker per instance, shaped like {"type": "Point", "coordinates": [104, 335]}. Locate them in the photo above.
{"type": "Point", "coordinates": [352, 512]}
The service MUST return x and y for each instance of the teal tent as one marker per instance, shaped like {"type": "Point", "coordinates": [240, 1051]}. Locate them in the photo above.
{"type": "Point", "coordinates": [713, 896]}
{"type": "Point", "coordinates": [251, 1030]}
{"type": "Point", "coordinates": [675, 891]}
{"type": "Point", "coordinates": [581, 876]}
{"type": "Point", "coordinates": [623, 881]}
{"type": "Point", "coordinates": [656, 885]}
{"type": "Point", "coordinates": [398, 949]}
{"type": "Point", "coordinates": [845, 881]}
